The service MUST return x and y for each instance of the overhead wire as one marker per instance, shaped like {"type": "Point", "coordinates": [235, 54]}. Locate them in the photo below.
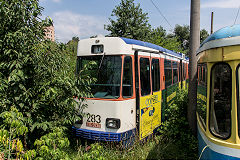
{"type": "Point", "coordinates": [237, 15]}
{"type": "Point", "coordinates": [161, 14]}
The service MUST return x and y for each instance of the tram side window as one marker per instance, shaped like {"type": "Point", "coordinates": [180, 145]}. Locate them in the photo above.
{"type": "Point", "coordinates": [179, 72]}
{"type": "Point", "coordinates": [204, 74]}
{"type": "Point", "coordinates": [200, 74]}
{"type": "Point", "coordinates": [127, 85]}
{"type": "Point", "coordinates": [186, 70]}
{"type": "Point", "coordinates": [202, 94]}
{"type": "Point", "coordinates": [220, 108]}
{"type": "Point", "coordinates": [145, 76]}
{"type": "Point", "coordinates": [155, 75]}
{"type": "Point", "coordinates": [183, 71]}
{"type": "Point", "coordinates": [175, 72]}
{"type": "Point", "coordinates": [238, 101]}
{"type": "Point", "coordinates": [168, 72]}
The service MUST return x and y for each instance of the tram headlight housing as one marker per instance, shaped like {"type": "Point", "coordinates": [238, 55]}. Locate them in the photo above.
{"type": "Point", "coordinates": [113, 123]}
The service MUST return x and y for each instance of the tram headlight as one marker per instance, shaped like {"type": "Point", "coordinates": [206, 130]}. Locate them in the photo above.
{"type": "Point", "coordinates": [113, 123]}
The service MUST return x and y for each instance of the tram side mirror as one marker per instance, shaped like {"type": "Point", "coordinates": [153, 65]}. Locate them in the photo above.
{"type": "Point", "coordinates": [96, 49]}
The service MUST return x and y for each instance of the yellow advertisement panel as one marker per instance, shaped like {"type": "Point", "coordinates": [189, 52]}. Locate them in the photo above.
{"type": "Point", "coordinates": [184, 84]}
{"type": "Point", "coordinates": [150, 113]}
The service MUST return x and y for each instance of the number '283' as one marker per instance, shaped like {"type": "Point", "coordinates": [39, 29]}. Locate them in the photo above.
{"type": "Point", "coordinates": [93, 118]}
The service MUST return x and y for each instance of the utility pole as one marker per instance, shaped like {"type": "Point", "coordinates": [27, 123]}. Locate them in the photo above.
{"type": "Point", "coordinates": [194, 44]}
{"type": "Point", "coordinates": [211, 23]}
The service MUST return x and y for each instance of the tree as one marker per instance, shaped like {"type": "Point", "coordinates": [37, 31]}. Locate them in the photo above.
{"type": "Point", "coordinates": [36, 75]}
{"type": "Point", "coordinates": [160, 37]}
{"type": "Point", "coordinates": [75, 38]}
{"type": "Point", "coordinates": [182, 33]}
{"type": "Point", "coordinates": [130, 21]}
{"type": "Point", "coordinates": [203, 35]}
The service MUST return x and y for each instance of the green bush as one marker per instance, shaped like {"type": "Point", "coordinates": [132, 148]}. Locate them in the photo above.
{"type": "Point", "coordinates": [52, 145]}
{"type": "Point", "coordinates": [176, 127]}
{"type": "Point", "coordinates": [12, 129]}
{"type": "Point", "coordinates": [95, 152]}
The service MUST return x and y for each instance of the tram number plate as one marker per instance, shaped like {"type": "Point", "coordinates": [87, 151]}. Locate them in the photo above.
{"type": "Point", "coordinates": [92, 124]}
{"type": "Point", "coordinates": [93, 121]}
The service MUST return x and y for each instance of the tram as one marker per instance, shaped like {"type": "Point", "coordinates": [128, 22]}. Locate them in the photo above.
{"type": "Point", "coordinates": [136, 81]}
{"type": "Point", "coordinates": [218, 113]}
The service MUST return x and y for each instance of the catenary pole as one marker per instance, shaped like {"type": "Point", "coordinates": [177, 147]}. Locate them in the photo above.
{"type": "Point", "coordinates": [194, 44]}
{"type": "Point", "coordinates": [211, 23]}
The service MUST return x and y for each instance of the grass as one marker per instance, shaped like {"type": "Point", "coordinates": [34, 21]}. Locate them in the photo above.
{"type": "Point", "coordinates": [158, 147]}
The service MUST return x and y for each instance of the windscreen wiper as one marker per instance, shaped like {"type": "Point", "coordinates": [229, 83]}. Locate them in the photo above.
{"type": "Point", "coordinates": [101, 62]}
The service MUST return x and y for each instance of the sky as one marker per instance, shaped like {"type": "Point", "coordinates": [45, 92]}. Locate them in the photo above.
{"type": "Point", "coordinates": [85, 18]}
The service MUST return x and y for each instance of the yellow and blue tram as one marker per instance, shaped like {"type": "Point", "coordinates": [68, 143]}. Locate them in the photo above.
{"type": "Point", "coordinates": [218, 95]}
{"type": "Point", "coordinates": [136, 81]}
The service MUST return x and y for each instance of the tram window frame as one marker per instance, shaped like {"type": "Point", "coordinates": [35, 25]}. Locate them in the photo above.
{"type": "Point", "coordinates": [175, 72]}
{"type": "Point", "coordinates": [167, 74]}
{"type": "Point", "coordinates": [155, 77]}
{"type": "Point", "coordinates": [238, 98]}
{"type": "Point", "coordinates": [212, 89]}
{"type": "Point", "coordinates": [129, 72]}
{"type": "Point", "coordinates": [146, 87]}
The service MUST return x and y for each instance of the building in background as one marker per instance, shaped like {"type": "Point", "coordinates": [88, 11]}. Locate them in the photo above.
{"type": "Point", "coordinates": [50, 33]}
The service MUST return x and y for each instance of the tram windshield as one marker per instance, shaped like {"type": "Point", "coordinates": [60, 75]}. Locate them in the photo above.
{"type": "Point", "coordinates": [107, 71]}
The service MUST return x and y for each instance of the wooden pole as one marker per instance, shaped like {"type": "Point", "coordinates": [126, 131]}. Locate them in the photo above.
{"type": "Point", "coordinates": [194, 44]}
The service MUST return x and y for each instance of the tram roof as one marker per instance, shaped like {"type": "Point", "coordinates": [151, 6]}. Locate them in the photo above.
{"type": "Point", "coordinates": [227, 36]}
{"type": "Point", "coordinates": [150, 45]}
{"type": "Point", "coordinates": [122, 45]}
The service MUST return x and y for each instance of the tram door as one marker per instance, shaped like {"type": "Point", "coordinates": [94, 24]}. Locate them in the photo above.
{"type": "Point", "coordinates": [149, 93]}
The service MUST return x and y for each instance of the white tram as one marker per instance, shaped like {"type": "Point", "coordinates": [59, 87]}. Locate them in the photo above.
{"type": "Point", "coordinates": [136, 81]}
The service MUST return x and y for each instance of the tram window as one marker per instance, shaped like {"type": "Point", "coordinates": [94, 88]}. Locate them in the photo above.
{"type": "Point", "coordinates": [179, 72]}
{"type": "Point", "coordinates": [184, 71]}
{"type": "Point", "coordinates": [238, 98]}
{"type": "Point", "coordinates": [200, 74]}
{"type": "Point", "coordinates": [220, 107]}
{"type": "Point", "coordinates": [202, 96]}
{"type": "Point", "coordinates": [127, 89]}
{"type": "Point", "coordinates": [155, 75]}
{"type": "Point", "coordinates": [175, 72]}
{"type": "Point", "coordinates": [107, 72]}
{"type": "Point", "coordinates": [145, 76]}
{"type": "Point", "coordinates": [204, 74]}
{"type": "Point", "coordinates": [168, 72]}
